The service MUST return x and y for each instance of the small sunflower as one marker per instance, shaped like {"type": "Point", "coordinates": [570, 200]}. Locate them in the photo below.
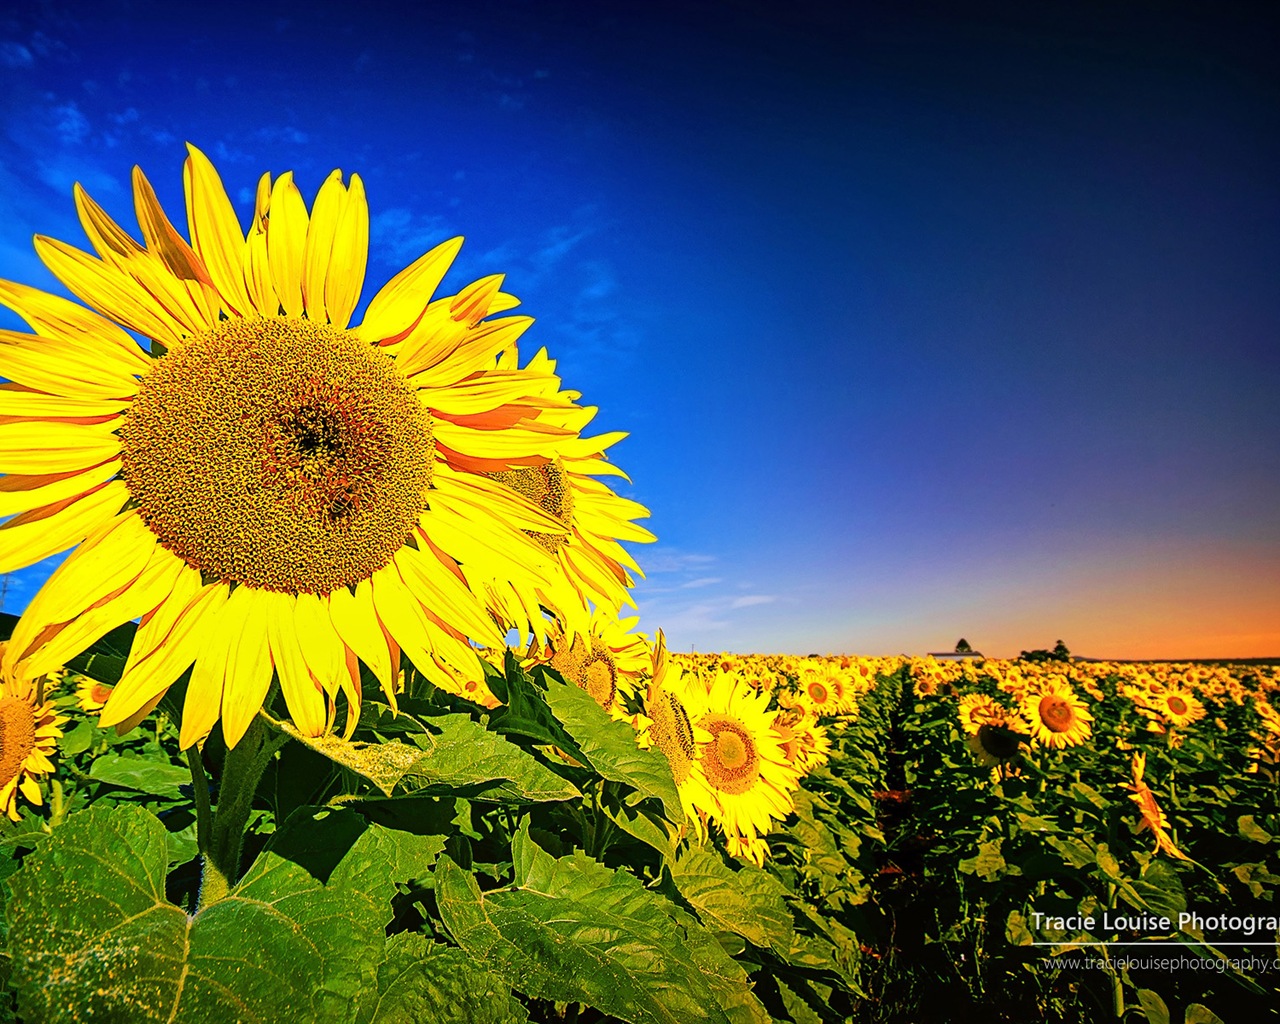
{"type": "Point", "coordinates": [1057, 716]}
{"type": "Point", "coordinates": [976, 710]}
{"type": "Point", "coordinates": [1180, 707]}
{"type": "Point", "coordinates": [29, 732]}
{"type": "Point", "coordinates": [91, 695]}
{"type": "Point", "coordinates": [607, 661]}
{"type": "Point", "coordinates": [994, 743]}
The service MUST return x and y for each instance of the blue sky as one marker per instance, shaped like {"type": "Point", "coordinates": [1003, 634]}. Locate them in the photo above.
{"type": "Point", "coordinates": [923, 324]}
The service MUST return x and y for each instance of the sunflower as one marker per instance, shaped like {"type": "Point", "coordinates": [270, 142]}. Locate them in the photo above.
{"type": "Point", "coordinates": [267, 488]}
{"type": "Point", "coordinates": [91, 695]}
{"type": "Point", "coordinates": [29, 732]}
{"type": "Point", "coordinates": [607, 661]}
{"type": "Point", "coordinates": [1153, 817]}
{"type": "Point", "coordinates": [1180, 707]}
{"type": "Point", "coordinates": [667, 726]}
{"type": "Point", "coordinates": [592, 562]}
{"type": "Point", "coordinates": [742, 778]}
{"type": "Point", "coordinates": [1058, 717]}
{"type": "Point", "coordinates": [822, 689]}
{"type": "Point", "coordinates": [976, 710]}
{"type": "Point", "coordinates": [995, 742]}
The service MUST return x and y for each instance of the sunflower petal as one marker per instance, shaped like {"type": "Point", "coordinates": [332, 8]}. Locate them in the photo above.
{"type": "Point", "coordinates": [350, 256]}
{"type": "Point", "coordinates": [215, 231]}
{"type": "Point", "coordinates": [286, 242]}
{"type": "Point", "coordinates": [27, 538]}
{"type": "Point", "coordinates": [325, 214]}
{"type": "Point", "coordinates": [248, 672]}
{"type": "Point", "coordinates": [400, 304]}
{"type": "Point", "coordinates": [303, 695]}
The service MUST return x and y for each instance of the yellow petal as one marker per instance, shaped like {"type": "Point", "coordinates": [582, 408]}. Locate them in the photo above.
{"type": "Point", "coordinates": [286, 242]}
{"type": "Point", "coordinates": [31, 536]}
{"type": "Point", "coordinates": [111, 292]}
{"type": "Point", "coordinates": [81, 368]}
{"type": "Point", "coordinates": [50, 446]}
{"type": "Point", "coordinates": [207, 688]}
{"type": "Point", "coordinates": [158, 623]}
{"type": "Point", "coordinates": [442, 357]}
{"type": "Point", "coordinates": [18, 401]}
{"type": "Point", "coordinates": [356, 622]}
{"type": "Point", "coordinates": [24, 493]}
{"type": "Point", "coordinates": [325, 215]}
{"type": "Point", "coordinates": [303, 695]}
{"type": "Point", "coordinates": [401, 614]}
{"type": "Point", "coordinates": [350, 256]}
{"type": "Point", "coordinates": [248, 672]}
{"type": "Point", "coordinates": [135, 598]}
{"type": "Point", "coordinates": [164, 242]}
{"type": "Point", "coordinates": [215, 231]}
{"type": "Point", "coordinates": [257, 275]}
{"type": "Point", "coordinates": [402, 301]}
{"type": "Point", "coordinates": [52, 316]}
{"type": "Point", "coordinates": [155, 673]}
{"type": "Point", "coordinates": [477, 300]}
{"type": "Point", "coordinates": [434, 586]}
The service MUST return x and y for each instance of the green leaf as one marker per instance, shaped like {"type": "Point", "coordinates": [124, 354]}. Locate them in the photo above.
{"type": "Point", "coordinates": [635, 818]}
{"type": "Point", "coordinates": [1250, 829]}
{"type": "Point", "coordinates": [105, 659]}
{"type": "Point", "coordinates": [572, 930]}
{"type": "Point", "coordinates": [1153, 1006]}
{"type": "Point", "coordinates": [460, 754]}
{"type": "Point", "coordinates": [344, 851]}
{"type": "Point", "coordinates": [421, 981]}
{"type": "Point", "coordinates": [453, 754]}
{"type": "Point", "coordinates": [748, 902]}
{"type": "Point", "coordinates": [610, 747]}
{"type": "Point", "coordinates": [94, 939]}
{"type": "Point", "coordinates": [987, 862]}
{"type": "Point", "coordinates": [1016, 931]}
{"type": "Point", "coordinates": [524, 712]}
{"type": "Point", "coordinates": [1198, 1013]}
{"type": "Point", "coordinates": [142, 774]}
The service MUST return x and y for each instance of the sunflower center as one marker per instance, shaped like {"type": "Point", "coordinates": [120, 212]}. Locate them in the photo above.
{"type": "Point", "coordinates": [731, 760]}
{"type": "Point", "coordinates": [589, 668]}
{"type": "Point", "coordinates": [818, 693]}
{"type": "Point", "coordinates": [279, 453]}
{"type": "Point", "coordinates": [547, 487]}
{"type": "Point", "coordinates": [17, 736]}
{"type": "Point", "coordinates": [999, 742]}
{"type": "Point", "coordinates": [672, 733]}
{"type": "Point", "coordinates": [1056, 713]}
{"type": "Point", "coordinates": [1177, 705]}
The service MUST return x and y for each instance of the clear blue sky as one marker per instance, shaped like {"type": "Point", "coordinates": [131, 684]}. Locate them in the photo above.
{"type": "Point", "coordinates": [923, 324]}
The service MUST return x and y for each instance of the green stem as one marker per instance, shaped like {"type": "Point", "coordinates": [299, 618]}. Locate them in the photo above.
{"type": "Point", "coordinates": [223, 841]}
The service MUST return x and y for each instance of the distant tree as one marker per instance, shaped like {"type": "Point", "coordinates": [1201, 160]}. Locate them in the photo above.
{"type": "Point", "coordinates": [1059, 653]}
{"type": "Point", "coordinates": [962, 646]}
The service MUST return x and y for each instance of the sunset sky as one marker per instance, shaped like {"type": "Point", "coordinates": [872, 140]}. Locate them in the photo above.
{"type": "Point", "coordinates": [924, 325]}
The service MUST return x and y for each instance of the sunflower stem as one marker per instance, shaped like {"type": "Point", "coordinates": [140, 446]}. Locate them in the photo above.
{"type": "Point", "coordinates": [223, 840]}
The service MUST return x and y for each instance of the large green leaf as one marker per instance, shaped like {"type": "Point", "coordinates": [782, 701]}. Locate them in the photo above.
{"type": "Point", "coordinates": [453, 754]}
{"type": "Point", "coordinates": [610, 747]}
{"type": "Point", "coordinates": [572, 930]}
{"type": "Point", "coordinates": [420, 981]}
{"type": "Point", "coordinates": [142, 774]}
{"type": "Point", "coordinates": [748, 902]}
{"type": "Point", "coordinates": [524, 712]}
{"type": "Point", "coordinates": [344, 851]}
{"type": "Point", "coordinates": [94, 939]}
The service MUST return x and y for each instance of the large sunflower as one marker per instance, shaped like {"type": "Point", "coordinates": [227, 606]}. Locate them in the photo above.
{"type": "Point", "coordinates": [606, 660]}
{"type": "Point", "coordinates": [1057, 716]}
{"type": "Point", "coordinates": [266, 487]}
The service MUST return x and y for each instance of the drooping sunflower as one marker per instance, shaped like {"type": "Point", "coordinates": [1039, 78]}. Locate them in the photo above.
{"type": "Point", "coordinates": [29, 732]}
{"type": "Point", "coordinates": [1153, 817]}
{"type": "Point", "coordinates": [996, 741]}
{"type": "Point", "coordinates": [666, 725]}
{"type": "Point", "coordinates": [266, 487]}
{"type": "Point", "coordinates": [1058, 718]}
{"type": "Point", "coordinates": [742, 778]}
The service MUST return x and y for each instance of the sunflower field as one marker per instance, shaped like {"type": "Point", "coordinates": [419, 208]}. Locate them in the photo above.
{"type": "Point", "coordinates": [331, 711]}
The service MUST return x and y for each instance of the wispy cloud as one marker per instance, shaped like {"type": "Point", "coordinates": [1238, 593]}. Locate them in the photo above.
{"type": "Point", "coordinates": [751, 600]}
{"type": "Point", "coordinates": [399, 236]}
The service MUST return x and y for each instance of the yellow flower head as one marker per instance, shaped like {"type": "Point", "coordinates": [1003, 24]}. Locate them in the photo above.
{"type": "Point", "coordinates": [270, 490]}
{"type": "Point", "coordinates": [29, 732]}
{"type": "Point", "coordinates": [1058, 718]}
{"type": "Point", "coordinates": [1153, 817]}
